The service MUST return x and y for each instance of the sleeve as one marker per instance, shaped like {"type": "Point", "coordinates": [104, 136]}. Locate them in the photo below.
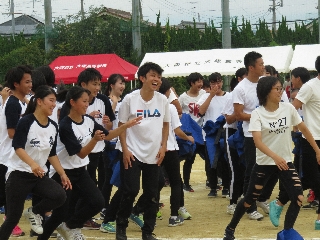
{"type": "Point", "coordinates": [228, 107]}
{"type": "Point", "coordinates": [166, 117]}
{"type": "Point", "coordinates": [108, 109]}
{"type": "Point", "coordinates": [53, 151]}
{"type": "Point", "coordinates": [255, 121]}
{"type": "Point", "coordinates": [284, 97]}
{"type": "Point", "coordinates": [296, 118]}
{"type": "Point", "coordinates": [238, 95]}
{"type": "Point", "coordinates": [175, 121]}
{"type": "Point", "coordinates": [304, 94]}
{"type": "Point", "coordinates": [21, 134]}
{"type": "Point", "coordinates": [68, 138]}
{"type": "Point", "coordinates": [13, 113]}
{"type": "Point", "coordinates": [97, 126]}
{"type": "Point", "coordinates": [124, 110]}
{"type": "Point", "coordinates": [172, 96]}
{"type": "Point", "coordinates": [203, 98]}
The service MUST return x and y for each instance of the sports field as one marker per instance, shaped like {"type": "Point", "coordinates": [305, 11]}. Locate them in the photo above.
{"type": "Point", "coordinates": [209, 218]}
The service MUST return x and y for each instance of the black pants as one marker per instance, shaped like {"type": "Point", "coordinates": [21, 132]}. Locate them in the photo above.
{"type": "Point", "coordinates": [237, 169]}
{"type": "Point", "coordinates": [19, 185]}
{"type": "Point", "coordinates": [3, 171]}
{"type": "Point", "coordinates": [187, 166]}
{"type": "Point", "coordinates": [259, 177]}
{"type": "Point", "coordinates": [250, 158]}
{"type": "Point", "coordinates": [130, 184]}
{"type": "Point", "coordinates": [90, 202]}
{"type": "Point", "coordinates": [96, 162]}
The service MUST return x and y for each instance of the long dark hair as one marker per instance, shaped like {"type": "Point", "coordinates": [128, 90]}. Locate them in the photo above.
{"type": "Point", "coordinates": [75, 93]}
{"type": "Point", "coordinates": [41, 92]}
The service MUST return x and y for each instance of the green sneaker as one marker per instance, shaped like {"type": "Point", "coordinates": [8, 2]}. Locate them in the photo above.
{"type": "Point", "coordinates": [137, 219]}
{"type": "Point", "coordinates": [108, 227]}
{"type": "Point", "coordinates": [317, 225]}
{"type": "Point", "coordinates": [184, 213]}
{"type": "Point", "coordinates": [274, 213]}
{"type": "Point", "coordinates": [159, 215]}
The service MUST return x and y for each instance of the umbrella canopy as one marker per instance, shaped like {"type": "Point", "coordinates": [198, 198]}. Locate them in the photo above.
{"type": "Point", "coordinates": [67, 68]}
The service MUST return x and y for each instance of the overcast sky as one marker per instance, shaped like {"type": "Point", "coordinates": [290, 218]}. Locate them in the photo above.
{"type": "Point", "coordinates": [175, 10]}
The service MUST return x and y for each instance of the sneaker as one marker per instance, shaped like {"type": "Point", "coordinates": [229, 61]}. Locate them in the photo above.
{"type": "Point", "coordinates": [311, 196]}
{"type": "Point", "coordinates": [159, 215]}
{"type": "Point", "coordinates": [91, 225]}
{"type": "Point", "coordinates": [102, 214]}
{"type": "Point", "coordinates": [212, 193]}
{"type": "Point", "coordinates": [187, 188]}
{"type": "Point", "coordinates": [148, 236]}
{"type": "Point", "coordinates": [255, 216]}
{"type": "Point", "coordinates": [35, 220]}
{"type": "Point", "coordinates": [228, 234]}
{"type": "Point", "coordinates": [108, 227]}
{"type": "Point", "coordinates": [70, 234]}
{"type": "Point", "coordinates": [317, 225]}
{"type": "Point", "coordinates": [231, 208]}
{"type": "Point", "coordinates": [264, 206]}
{"type": "Point", "coordinates": [225, 192]}
{"type": "Point", "coordinates": [184, 213]}
{"type": "Point", "coordinates": [137, 219]}
{"type": "Point", "coordinates": [17, 232]}
{"type": "Point", "coordinates": [311, 205]}
{"type": "Point", "coordinates": [274, 213]}
{"type": "Point", "coordinates": [34, 234]}
{"type": "Point", "coordinates": [121, 233]}
{"type": "Point", "coordinates": [59, 237]}
{"type": "Point", "coordinates": [175, 221]}
{"type": "Point", "coordinates": [2, 210]}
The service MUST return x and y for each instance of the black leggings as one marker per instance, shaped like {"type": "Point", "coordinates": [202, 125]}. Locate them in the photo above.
{"type": "Point", "coordinates": [259, 177]}
{"type": "Point", "coordinates": [19, 185]}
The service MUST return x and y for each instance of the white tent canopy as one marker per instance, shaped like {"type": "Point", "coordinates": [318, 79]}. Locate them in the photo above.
{"type": "Point", "coordinates": [305, 56]}
{"type": "Point", "coordinates": [224, 61]}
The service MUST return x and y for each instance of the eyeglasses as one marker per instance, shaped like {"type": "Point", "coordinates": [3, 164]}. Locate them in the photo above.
{"type": "Point", "coordinates": [215, 82]}
{"type": "Point", "coordinates": [279, 89]}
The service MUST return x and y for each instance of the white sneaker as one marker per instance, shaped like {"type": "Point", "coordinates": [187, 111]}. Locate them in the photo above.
{"type": "Point", "coordinates": [264, 206]}
{"type": "Point", "coordinates": [70, 234]}
{"type": "Point", "coordinates": [35, 220]}
{"type": "Point", "coordinates": [184, 213]}
{"type": "Point", "coordinates": [255, 216]}
{"type": "Point", "coordinates": [231, 208]}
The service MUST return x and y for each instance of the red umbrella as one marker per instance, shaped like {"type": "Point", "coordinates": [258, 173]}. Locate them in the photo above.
{"type": "Point", "coordinates": [67, 68]}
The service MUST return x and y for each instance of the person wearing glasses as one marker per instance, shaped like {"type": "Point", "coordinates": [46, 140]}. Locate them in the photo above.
{"type": "Point", "coordinates": [270, 125]}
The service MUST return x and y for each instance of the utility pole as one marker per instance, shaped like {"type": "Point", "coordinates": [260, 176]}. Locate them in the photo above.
{"type": "Point", "coordinates": [226, 32]}
{"type": "Point", "coordinates": [273, 10]}
{"type": "Point", "coordinates": [82, 10]}
{"type": "Point", "coordinates": [12, 19]}
{"type": "Point", "coordinates": [48, 24]}
{"type": "Point", "coordinates": [136, 34]}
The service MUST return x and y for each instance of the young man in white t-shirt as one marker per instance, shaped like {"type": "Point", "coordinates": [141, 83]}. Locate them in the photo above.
{"type": "Point", "coordinates": [245, 100]}
{"type": "Point", "coordinates": [308, 98]}
{"type": "Point", "coordinates": [211, 106]}
{"type": "Point", "coordinates": [143, 148]}
{"type": "Point", "coordinates": [189, 103]}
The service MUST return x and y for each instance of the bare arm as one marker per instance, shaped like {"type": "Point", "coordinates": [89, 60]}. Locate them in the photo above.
{"type": "Point", "coordinates": [11, 132]}
{"type": "Point", "coordinates": [240, 115]}
{"type": "Point", "coordinates": [296, 103]}
{"type": "Point", "coordinates": [204, 106]}
{"type": "Point", "coordinates": [54, 161]}
{"type": "Point", "coordinates": [181, 134]}
{"type": "Point", "coordinates": [163, 148]}
{"type": "Point", "coordinates": [177, 105]}
{"type": "Point", "coordinates": [280, 162]}
{"type": "Point", "coordinates": [230, 118]}
{"type": "Point", "coordinates": [127, 155]}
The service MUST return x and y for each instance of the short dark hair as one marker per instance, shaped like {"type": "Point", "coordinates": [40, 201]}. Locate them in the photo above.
{"type": "Point", "coordinates": [87, 75]}
{"type": "Point", "coordinates": [250, 59]}
{"type": "Point", "coordinates": [206, 83]}
{"type": "Point", "coordinates": [146, 67]}
{"type": "Point", "coordinates": [317, 64]}
{"type": "Point", "coordinates": [270, 69]}
{"type": "Point", "coordinates": [38, 80]}
{"type": "Point", "coordinates": [213, 77]}
{"type": "Point", "coordinates": [48, 74]}
{"type": "Point", "coordinates": [165, 86]}
{"type": "Point", "coordinates": [193, 77]}
{"type": "Point", "coordinates": [301, 72]}
{"type": "Point", "coordinates": [264, 87]}
{"type": "Point", "coordinates": [15, 75]}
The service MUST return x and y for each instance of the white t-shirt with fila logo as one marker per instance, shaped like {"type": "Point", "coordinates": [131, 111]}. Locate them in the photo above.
{"type": "Point", "coordinates": [144, 139]}
{"type": "Point", "coordinates": [73, 137]}
{"type": "Point", "coordinates": [37, 140]}
{"type": "Point", "coordinates": [11, 113]}
{"type": "Point", "coordinates": [190, 105]}
{"type": "Point", "coordinates": [101, 104]}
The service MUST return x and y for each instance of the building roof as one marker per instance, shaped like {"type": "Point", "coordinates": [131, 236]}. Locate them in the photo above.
{"type": "Point", "coordinates": [25, 24]}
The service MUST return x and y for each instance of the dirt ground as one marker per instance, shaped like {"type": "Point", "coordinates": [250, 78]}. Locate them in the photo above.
{"type": "Point", "coordinates": [209, 217]}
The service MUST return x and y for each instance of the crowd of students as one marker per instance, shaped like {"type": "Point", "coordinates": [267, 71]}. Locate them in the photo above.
{"type": "Point", "coordinates": [53, 145]}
